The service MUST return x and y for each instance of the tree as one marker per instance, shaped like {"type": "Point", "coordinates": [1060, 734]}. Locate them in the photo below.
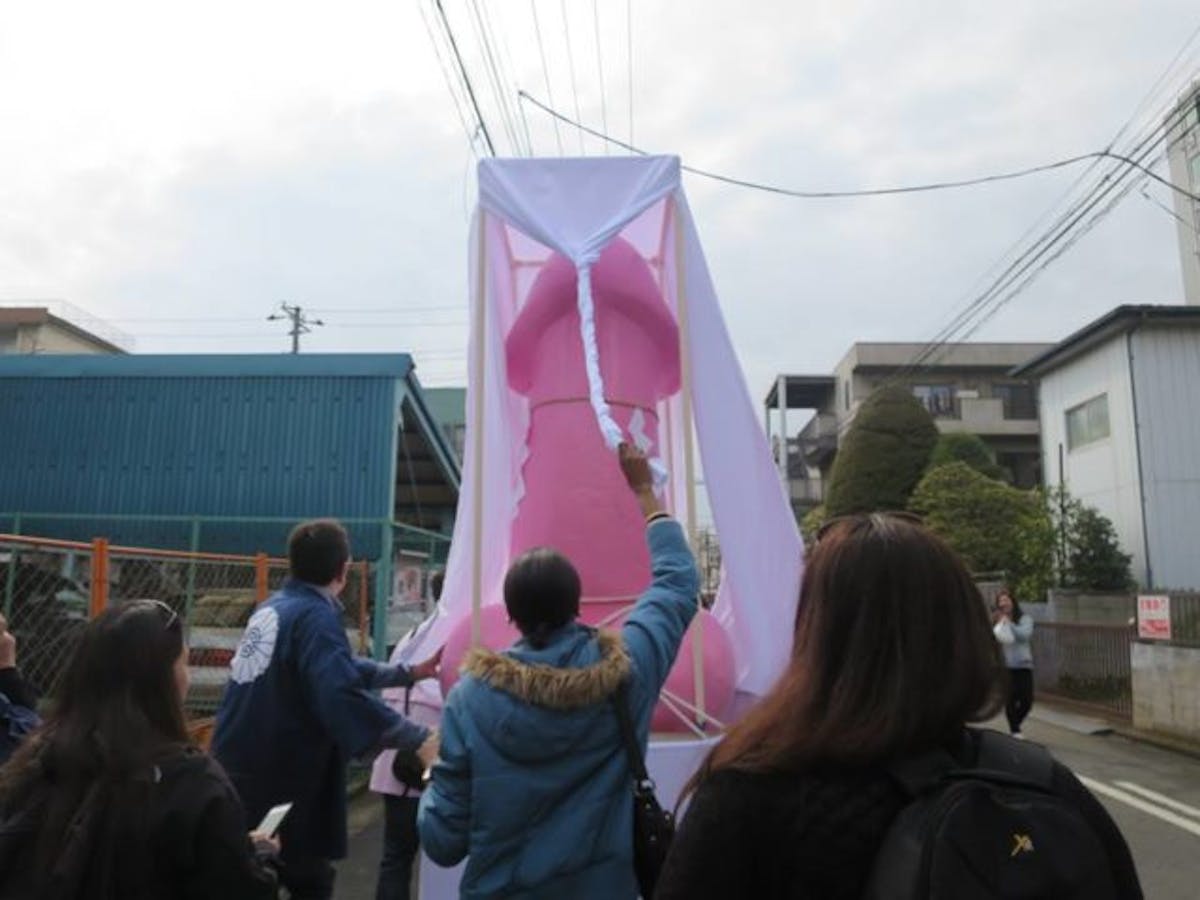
{"type": "Point", "coordinates": [811, 523]}
{"type": "Point", "coordinates": [993, 526]}
{"type": "Point", "coordinates": [883, 455]}
{"type": "Point", "coordinates": [970, 449]}
{"type": "Point", "coordinates": [1089, 555]}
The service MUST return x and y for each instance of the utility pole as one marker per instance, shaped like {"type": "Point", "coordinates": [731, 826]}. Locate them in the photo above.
{"type": "Point", "coordinates": [301, 324]}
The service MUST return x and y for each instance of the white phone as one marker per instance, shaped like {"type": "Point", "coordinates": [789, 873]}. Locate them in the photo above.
{"type": "Point", "coordinates": [273, 819]}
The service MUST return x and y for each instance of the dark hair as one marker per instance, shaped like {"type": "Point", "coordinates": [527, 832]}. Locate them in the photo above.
{"type": "Point", "coordinates": [318, 551]}
{"type": "Point", "coordinates": [436, 580]}
{"type": "Point", "coordinates": [1016, 610]}
{"type": "Point", "coordinates": [893, 654]}
{"type": "Point", "coordinates": [116, 712]}
{"type": "Point", "coordinates": [541, 593]}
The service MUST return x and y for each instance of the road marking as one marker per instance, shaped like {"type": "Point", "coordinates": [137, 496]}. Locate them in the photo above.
{"type": "Point", "coordinates": [1138, 803]}
{"type": "Point", "coordinates": [1160, 799]}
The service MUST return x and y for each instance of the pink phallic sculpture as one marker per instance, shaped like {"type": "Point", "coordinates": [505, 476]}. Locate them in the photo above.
{"type": "Point", "coordinates": [575, 498]}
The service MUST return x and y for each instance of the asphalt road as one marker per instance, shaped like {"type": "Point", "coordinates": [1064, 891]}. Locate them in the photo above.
{"type": "Point", "coordinates": [1153, 794]}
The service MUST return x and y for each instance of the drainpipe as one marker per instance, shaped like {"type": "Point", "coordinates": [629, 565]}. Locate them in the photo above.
{"type": "Point", "coordinates": [1137, 446]}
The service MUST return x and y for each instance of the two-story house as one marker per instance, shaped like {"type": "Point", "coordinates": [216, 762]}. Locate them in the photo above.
{"type": "Point", "coordinates": [966, 387]}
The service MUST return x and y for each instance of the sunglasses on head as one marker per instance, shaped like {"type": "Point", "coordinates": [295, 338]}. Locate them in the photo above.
{"type": "Point", "coordinates": [881, 517]}
{"type": "Point", "coordinates": [172, 615]}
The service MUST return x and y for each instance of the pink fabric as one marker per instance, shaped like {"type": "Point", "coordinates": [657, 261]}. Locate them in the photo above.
{"type": "Point", "coordinates": [530, 209]}
{"type": "Point", "coordinates": [575, 499]}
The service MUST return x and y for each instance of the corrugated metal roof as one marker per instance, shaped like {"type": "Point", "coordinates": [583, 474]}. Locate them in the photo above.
{"type": "Point", "coordinates": [215, 365]}
{"type": "Point", "coordinates": [274, 436]}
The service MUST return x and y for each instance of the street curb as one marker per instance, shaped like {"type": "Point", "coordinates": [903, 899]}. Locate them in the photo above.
{"type": "Point", "coordinates": [1161, 741]}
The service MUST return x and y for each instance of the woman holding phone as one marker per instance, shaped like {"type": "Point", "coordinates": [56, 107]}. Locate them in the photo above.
{"type": "Point", "coordinates": [109, 799]}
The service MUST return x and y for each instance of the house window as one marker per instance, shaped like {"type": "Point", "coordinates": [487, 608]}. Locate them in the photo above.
{"type": "Point", "coordinates": [1020, 401]}
{"type": "Point", "coordinates": [1087, 422]}
{"type": "Point", "coordinates": [938, 399]}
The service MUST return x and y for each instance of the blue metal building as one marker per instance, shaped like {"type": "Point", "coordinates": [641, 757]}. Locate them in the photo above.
{"type": "Point", "coordinates": [220, 453]}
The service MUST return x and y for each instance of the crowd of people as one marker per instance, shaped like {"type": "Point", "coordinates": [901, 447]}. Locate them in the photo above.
{"type": "Point", "coordinates": [862, 773]}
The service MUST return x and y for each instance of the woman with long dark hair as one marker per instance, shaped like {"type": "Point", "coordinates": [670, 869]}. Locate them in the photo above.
{"type": "Point", "coordinates": [110, 799]}
{"type": "Point", "coordinates": [892, 658]}
{"type": "Point", "coordinates": [1014, 630]}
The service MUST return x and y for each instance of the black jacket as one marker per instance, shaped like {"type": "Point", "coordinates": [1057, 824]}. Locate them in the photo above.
{"type": "Point", "coordinates": [814, 835]}
{"type": "Point", "coordinates": [196, 844]}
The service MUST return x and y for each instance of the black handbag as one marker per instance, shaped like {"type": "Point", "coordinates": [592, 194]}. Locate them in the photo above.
{"type": "Point", "coordinates": [653, 826]}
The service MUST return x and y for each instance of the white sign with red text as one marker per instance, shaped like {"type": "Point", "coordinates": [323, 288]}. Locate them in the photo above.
{"type": "Point", "coordinates": [1154, 617]}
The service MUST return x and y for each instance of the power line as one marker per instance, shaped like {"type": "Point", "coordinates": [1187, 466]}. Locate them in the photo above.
{"type": "Point", "coordinates": [1052, 244]}
{"type": "Point", "coordinates": [487, 137]}
{"type": "Point", "coordinates": [600, 69]}
{"type": "Point", "coordinates": [492, 71]}
{"type": "Point", "coordinates": [446, 76]}
{"type": "Point", "coordinates": [505, 57]}
{"type": "Point", "coordinates": [301, 324]}
{"type": "Point", "coordinates": [865, 192]}
{"type": "Point", "coordinates": [571, 63]}
{"type": "Point", "coordinates": [1170, 212]}
{"type": "Point", "coordinates": [537, 28]}
{"type": "Point", "coordinates": [629, 59]}
{"type": "Point", "coordinates": [1056, 234]}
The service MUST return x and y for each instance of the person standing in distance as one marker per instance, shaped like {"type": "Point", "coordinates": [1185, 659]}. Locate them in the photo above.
{"type": "Point", "coordinates": [1014, 630]}
{"type": "Point", "coordinates": [299, 706]}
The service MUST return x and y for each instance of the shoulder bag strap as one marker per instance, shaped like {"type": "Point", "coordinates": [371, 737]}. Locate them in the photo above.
{"type": "Point", "coordinates": [637, 764]}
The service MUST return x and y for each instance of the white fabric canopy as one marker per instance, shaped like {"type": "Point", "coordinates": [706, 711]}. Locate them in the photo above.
{"type": "Point", "coordinates": [529, 208]}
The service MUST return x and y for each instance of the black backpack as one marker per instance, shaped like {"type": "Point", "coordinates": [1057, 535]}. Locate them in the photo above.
{"type": "Point", "coordinates": [994, 830]}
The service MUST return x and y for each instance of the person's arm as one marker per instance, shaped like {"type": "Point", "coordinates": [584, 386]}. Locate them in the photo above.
{"type": "Point", "coordinates": [224, 861]}
{"type": "Point", "coordinates": [378, 676]}
{"type": "Point", "coordinates": [655, 628]}
{"type": "Point", "coordinates": [1124, 872]}
{"type": "Point", "coordinates": [358, 721]}
{"type": "Point", "coordinates": [444, 816]}
{"type": "Point", "coordinates": [710, 855]}
{"type": "Point", "coordinates": [12, 685]}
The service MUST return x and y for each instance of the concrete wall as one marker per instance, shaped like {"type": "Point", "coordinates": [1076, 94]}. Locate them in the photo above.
{"type": "Point", "coordinates": [1166, 689]}
{"type": "Point", "coordinates": [1103, 474]}
{"type": "Point", "coordinates": [1166, 378]}
{"type": "Point", "coordinates": [1088, 608]}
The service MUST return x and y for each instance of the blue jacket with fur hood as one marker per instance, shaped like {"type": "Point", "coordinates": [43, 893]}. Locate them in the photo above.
{"type": "Point", "coordinates": [533, 783]}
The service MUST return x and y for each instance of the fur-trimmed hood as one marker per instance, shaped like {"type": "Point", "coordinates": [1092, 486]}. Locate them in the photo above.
{"type": "Point", "coordinates": [539, 706]}
{"type": "Point", "coordinates": [554, 687]}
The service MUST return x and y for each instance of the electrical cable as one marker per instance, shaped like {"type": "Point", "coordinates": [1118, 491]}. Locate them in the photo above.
{"type": "Point", "coordinates": [571, 63]}
{"type": "Point", "coordinates": [537, 28]}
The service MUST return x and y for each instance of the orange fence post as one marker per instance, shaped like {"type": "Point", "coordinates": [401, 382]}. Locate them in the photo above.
{"type": "Point", "coordinates": [262, 581]}
{"type": "Point", "coordinates": [98, 601]}
{"type": "Point", "coordinates": [364, 577]}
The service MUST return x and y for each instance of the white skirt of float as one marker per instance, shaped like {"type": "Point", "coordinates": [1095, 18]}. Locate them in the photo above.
{"type": "Point", "coordinates": [671, 760]}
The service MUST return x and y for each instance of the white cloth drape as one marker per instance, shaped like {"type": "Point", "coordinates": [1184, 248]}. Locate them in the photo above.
{"type": "Point", "coordinates": [530, 207]}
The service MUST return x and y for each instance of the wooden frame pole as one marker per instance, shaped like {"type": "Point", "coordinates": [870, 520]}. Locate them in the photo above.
{"type": "Point", "coordinates": [689, 450]}
{"type": "Point", "coordinates": [477, 380]}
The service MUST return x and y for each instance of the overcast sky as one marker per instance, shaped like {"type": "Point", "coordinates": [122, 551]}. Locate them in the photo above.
{"type": "Point", "coordinates": [180, 173]}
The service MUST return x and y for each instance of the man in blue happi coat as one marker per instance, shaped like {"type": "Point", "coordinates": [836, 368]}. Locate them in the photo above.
{"type": "Point", "coordinates": [299, 706]}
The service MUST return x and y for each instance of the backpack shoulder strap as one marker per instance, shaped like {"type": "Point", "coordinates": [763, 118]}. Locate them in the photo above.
{"type": "Point", "coordinates": [1005, 759]}
{"type": "Point", "coordinates": [917, 775]}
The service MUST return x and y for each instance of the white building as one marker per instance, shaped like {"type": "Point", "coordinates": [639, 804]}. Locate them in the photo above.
{"type": "Point", "coordinates": [1120, 427]}
{"type": "Point", "coordinates": [57, 327]}
{"type": "Point", "coordinates": [1183, 155]}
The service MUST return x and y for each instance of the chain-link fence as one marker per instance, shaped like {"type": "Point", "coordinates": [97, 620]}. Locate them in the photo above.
{"type": "Point", "coordinates": [46, 591]}
{"type": "Point", "coordinates": [50, 589]}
